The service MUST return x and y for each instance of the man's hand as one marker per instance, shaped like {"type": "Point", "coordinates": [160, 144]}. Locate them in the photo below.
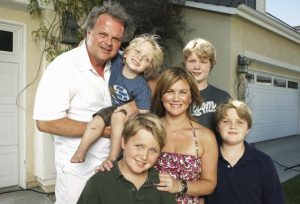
{"type": "Point", "coordinates": [105, 166]}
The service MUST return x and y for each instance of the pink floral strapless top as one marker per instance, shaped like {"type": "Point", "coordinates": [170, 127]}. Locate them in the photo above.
{"type": "Point", "coordinates": [182, 167]}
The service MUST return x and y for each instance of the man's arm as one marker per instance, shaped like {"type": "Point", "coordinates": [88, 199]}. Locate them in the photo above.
{"type": "Point", "coordinates": [66, 127]}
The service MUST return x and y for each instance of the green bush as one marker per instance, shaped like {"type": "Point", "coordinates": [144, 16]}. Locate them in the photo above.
{"type": "Point", "coordinates": [291, 189]}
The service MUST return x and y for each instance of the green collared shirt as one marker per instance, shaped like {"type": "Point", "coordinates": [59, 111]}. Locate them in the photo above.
{"type": "Point", "coordinates": [111, 187]}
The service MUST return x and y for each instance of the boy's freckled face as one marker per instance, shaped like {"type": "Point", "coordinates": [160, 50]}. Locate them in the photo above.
{"type": "Point", "coordinates": [140, 152]}
{"type": "Point", "coordinates": [232, 128]}
{"type": "Point", "coordinates": [200, 68]}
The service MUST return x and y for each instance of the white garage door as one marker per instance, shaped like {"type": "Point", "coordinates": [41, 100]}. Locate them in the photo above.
{"type": "Point", "coordinates": [9, 112]}
{"type": "Point", "coordinates": [274, 101]}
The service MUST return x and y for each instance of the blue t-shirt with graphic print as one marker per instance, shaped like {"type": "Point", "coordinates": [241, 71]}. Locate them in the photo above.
{"type": "Point", "coordinates": [124, 90]}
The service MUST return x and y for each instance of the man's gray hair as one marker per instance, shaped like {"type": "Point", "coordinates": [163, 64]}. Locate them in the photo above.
{"type": "Point", "coordinates": [113, 9]}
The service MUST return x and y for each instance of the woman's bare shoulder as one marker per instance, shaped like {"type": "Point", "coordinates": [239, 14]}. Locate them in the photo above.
{"type": "Point", "coordinates": [202, 130]}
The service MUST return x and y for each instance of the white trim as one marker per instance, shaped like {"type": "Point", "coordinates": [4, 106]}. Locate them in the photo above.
{"type": "Point", "coordinates": [23, 138]}
{"type": "Point", "coordinates": [252, 70]}
{"type": "Point", "coordinates": [269, 61]}
{"type": "Point", "coordinates": [22, 99]}
{"type": "Point", "coordinates": [252, 15]}
{"type": "Point", "coordinates": [267, 22]}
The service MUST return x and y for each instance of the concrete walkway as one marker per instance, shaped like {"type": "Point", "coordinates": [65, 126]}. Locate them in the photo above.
{"type": "Point", "coordinates": [285, 153]}
{"type": "Point", "coordinates": [24, 197]}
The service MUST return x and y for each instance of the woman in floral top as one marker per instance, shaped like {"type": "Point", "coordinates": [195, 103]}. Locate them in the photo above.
{"type": "Point", "coordinates": [188, 161]}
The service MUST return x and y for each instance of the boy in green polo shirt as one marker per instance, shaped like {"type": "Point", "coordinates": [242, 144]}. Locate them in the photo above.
{"type": "Point", "coordinates": [132, 179]}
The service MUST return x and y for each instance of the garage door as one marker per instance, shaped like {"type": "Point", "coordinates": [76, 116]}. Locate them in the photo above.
{"type": "Point", "coordinates": [9, 112]}
{"type": "Point", "coordinates": [274, 101]}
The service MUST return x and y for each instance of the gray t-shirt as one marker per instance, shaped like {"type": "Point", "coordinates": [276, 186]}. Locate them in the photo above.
{"type": "Point", "coordinates": [212, 97]}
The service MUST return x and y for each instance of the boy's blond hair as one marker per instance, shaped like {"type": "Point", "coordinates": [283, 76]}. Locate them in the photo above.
{"type": "Point", "coordinates": [148, 122]}
{"type": "Point", "coordinates": [202, 48]}
{"type": "Point", "coordinates": [242, 110]}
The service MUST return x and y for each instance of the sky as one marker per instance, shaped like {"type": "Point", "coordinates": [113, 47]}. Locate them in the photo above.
{"type": "Point", "coordinates": [286, 10]}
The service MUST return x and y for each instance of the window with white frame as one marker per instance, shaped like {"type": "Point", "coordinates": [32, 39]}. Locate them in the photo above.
{"type": "Point", "coordinates": [6, 41]}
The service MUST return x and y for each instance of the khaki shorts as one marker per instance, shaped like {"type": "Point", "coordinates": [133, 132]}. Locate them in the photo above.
{"type": "Point", "coordinates": [105, 114]}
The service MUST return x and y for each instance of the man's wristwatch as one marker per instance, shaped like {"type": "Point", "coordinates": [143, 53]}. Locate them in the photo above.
{"type": "Point", "coordinates": [184, 186]}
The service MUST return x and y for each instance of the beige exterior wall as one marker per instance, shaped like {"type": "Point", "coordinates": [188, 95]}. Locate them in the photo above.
{"type": "Point", "coordinates": [32, 58]}
{"type": "Point", "coordinates": [233, 35]}
{"type": "Point", "coordinates": [249, 37]}
{"type": "Point", "coordinates": [256, 66]}
{"type": "Point", "coordinates": [215, 28]}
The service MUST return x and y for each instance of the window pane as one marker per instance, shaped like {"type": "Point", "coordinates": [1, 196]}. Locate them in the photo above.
{"type": "Point", "coordinates": [280, 83]}
{"type": "Point", "coordinates": [6, 41]}
{"type": "Point", "coordinates": [292, 85]}
{"type": "Point", "coordinates": [263, 80]}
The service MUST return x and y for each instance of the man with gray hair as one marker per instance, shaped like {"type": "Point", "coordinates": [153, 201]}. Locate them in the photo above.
{"type": "Point", "coordinates": [72, 89]}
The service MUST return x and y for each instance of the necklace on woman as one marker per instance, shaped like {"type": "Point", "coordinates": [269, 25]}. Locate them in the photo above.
{"type": "Point", "coordinates": [174, 131]}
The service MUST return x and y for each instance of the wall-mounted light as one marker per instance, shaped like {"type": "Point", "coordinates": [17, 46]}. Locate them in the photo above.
{"type": "Point", "coordinates": [243, 63]}
{"type": "Point", "coordinates": [69, 29]}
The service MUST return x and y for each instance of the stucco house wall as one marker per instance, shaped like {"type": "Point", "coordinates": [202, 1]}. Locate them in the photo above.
{"type": "Point", "coordinates": [214, 27]}
{"type": "Point", "coordinates": [249, 37]}
{"type": "Point", "coordinates": [232, 35]}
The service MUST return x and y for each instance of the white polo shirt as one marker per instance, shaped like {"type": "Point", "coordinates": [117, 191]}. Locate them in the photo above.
{"type": "Point", "coordinates": [70, 87]}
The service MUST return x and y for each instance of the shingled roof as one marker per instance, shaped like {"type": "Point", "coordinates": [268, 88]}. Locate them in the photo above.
{"type": "Point", "coordinates": [229, 3]}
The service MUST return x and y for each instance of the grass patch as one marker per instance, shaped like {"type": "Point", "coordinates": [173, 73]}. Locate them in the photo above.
{"type": "Point", "coordinates": [291, 189]}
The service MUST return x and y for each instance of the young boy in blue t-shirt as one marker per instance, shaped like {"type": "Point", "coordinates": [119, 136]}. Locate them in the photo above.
{"type": "Point", "coordinates": [142, 60]}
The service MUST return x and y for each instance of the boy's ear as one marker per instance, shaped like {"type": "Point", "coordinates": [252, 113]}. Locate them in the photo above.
{"type": "Point", "coordinates": [247, 131]}
{"type": "Point", "coordinates": [124, 59]}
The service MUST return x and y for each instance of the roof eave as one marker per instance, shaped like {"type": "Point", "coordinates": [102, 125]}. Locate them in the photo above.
{"type": "Point", "coordinates": [252, 15]}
